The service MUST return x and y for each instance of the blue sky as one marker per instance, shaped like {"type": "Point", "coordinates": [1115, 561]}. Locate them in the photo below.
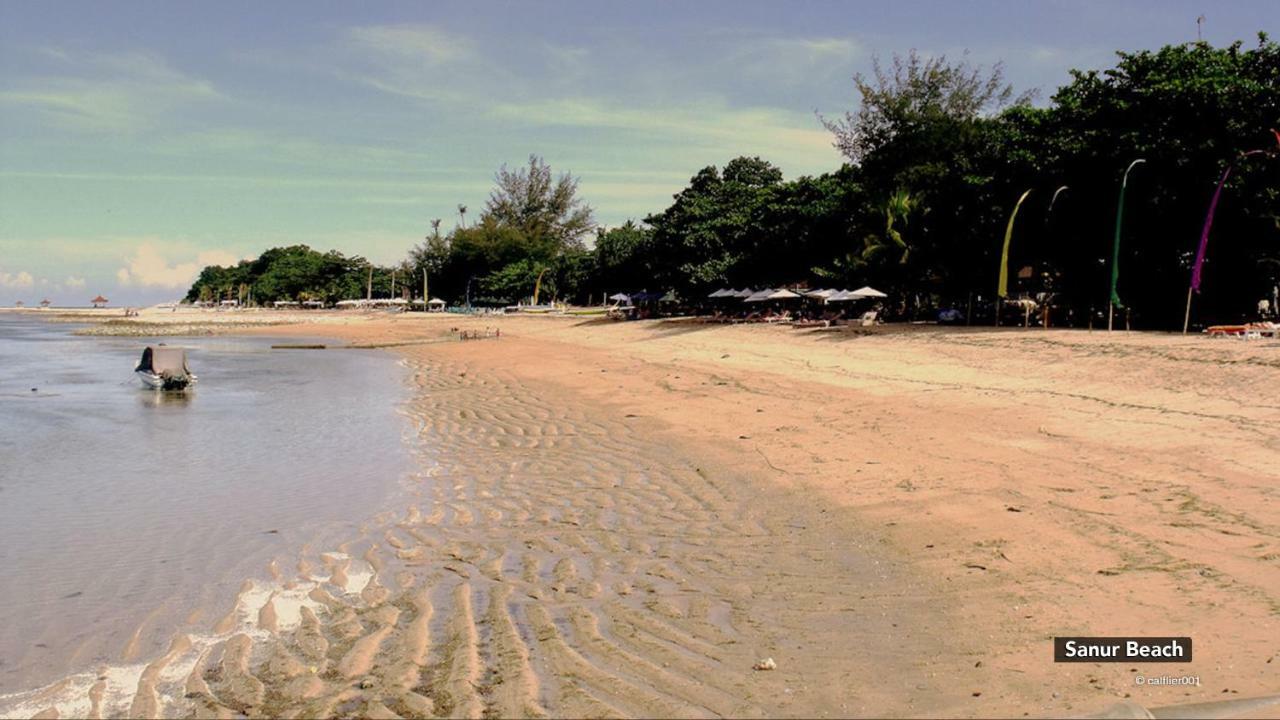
{"type": "Point", "coordinates": [142, 140]}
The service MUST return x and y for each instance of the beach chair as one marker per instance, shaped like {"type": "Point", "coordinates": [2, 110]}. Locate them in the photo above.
{"type": "Point", "coordinates": [869, 318]}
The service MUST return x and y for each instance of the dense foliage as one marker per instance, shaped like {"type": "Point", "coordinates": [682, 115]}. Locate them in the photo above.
{"type": "Point", "coordinates": [937, 154]}
{"type": "Point", "coordinates": [290, 273]}
{"type": "Point", "coordinates": [529, 237]}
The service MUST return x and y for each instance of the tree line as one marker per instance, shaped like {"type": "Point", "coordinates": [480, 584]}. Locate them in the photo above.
{"type": "Point", "coordinates": [936, 155]}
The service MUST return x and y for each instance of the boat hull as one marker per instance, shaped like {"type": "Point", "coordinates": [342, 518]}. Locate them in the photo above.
{"type": "Point", "coordinates": [152, 381]}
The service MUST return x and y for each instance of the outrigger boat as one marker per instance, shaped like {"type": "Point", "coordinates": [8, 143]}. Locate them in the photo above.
{"type": "Point", "coordinates": [164, 368]}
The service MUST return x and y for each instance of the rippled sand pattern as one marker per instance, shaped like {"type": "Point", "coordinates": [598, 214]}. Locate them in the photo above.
{"type": "Point", "coordinates": [552, 563]}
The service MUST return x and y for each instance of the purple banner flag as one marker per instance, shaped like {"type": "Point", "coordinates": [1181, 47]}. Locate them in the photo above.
{"type": "Point", "coordinates": [1213, 205]}
{"type": "Point", "coordinates": [1204, 233]}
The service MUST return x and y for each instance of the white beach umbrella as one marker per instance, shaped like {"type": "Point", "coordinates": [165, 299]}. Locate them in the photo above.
{"type": "Point", "coordinates": [820, 294]}
{"type": "Point", "coordinates": [781, 294]}
{"type": "Point", "coordinates": [759, 295]}
{"type": "Point", "coordinates": [867, 291]}
{"type": "Point", "coordinates": [720, 293]}
{"type": "Point", "coordinates": [744, 293]}
{"type": "Point", "coordinates": [839, 296]}
{"type": "Point", "coordinates": [620, 297]}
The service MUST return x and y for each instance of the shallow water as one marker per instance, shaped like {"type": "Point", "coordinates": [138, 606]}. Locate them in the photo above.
{"type": "Point", "coordinates": [123, 508]}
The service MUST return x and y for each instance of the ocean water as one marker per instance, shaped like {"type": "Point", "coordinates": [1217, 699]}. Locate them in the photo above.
{"type": "Point", "coordinates": [122, 508]}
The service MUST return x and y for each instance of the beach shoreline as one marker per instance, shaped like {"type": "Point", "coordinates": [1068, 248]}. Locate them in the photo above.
{"type": "Point", "coordinates": [943, 502]}
{"type": "Point", "coordinates": [129, 513]}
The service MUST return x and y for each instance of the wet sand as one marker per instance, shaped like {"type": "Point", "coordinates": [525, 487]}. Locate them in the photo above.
{"type": "Point", "coordinates": [624, 518]}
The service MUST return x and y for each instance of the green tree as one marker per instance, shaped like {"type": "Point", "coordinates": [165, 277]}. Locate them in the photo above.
{"type": "Point", "coordinates": [621, 258]}
{"type": "Point", "coordinates": [430, 256]}
{"type": "Point", "coordinates": [514, 281]}
{"type": "Point", "coordinates": [916, 92]}
{"type": "Point", "coordinates": [543, 207]}
{"type": "Point", "coordinates": [289, 273]}
{"type": "Point", "coordinates": [571, 277]}
{"type": "Point", "coordinates": [533, 221]}
{"type": "Point", "coordinates": [714, 226]}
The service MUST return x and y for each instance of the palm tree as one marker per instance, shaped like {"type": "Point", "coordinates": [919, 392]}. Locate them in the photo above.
{"type": "Point", "coordinates": [897, 209]}
{"type": "Point", "coordinates": [462, 212]}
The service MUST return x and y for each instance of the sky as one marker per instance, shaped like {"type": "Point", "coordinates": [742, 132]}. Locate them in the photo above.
{"type": "Point", "coordinates": [140, 141]}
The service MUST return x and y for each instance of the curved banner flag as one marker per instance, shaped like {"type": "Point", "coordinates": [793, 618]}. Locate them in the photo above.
{"type": "Point", "coordinates": [1204, 233]}
{"type": "Point", "coordinates": [1054, 201]}
{"type": "Point", "coordinates": [1213, 205]}
{"type": "Point", "coordinates": [1115, 251]}
{"type": "Point", "coordinates": [1003, 289]}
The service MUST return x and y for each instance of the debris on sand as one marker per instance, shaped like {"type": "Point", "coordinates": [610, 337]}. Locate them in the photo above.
{"type": "Point", "coordinates": [765, 664]}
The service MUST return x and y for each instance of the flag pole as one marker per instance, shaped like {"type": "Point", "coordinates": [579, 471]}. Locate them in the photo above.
{"type": "Point", "coordinates": [1186, 319]}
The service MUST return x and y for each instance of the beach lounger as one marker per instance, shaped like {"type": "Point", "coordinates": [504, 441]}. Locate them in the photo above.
{"type": "Point", "coordinates": [1250, 331]}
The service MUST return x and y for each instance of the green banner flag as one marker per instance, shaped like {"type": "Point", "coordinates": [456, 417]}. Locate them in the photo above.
{"type": "Point", "coordinates": [1115, 251]}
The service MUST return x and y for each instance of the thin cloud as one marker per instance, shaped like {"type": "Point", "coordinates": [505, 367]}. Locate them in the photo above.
{"type": "Point", "coordinates": [417, 61]}
{"type": "Point", "coordinates": [239, 180]}
{"type": "Point", "coordinates": [119, 93]}
{"type": "Point", "coordinates": [420, 43]}
{"type": "Point", "coordinates": [763, 130]}
{"type": "Point", "coordinates": [809, 51]}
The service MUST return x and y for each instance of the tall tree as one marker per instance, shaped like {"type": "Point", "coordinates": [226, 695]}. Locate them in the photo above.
{"type": "Point", "coordinates": [540, 204]}
{"type": "Point", "coordinates": [431, 255]}
{"type": "Point", "coordinates": [915, 91]}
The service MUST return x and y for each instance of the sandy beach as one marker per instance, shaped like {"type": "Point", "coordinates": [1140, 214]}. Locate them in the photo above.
{"type": "Point", "coordinates": [625, 519]}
